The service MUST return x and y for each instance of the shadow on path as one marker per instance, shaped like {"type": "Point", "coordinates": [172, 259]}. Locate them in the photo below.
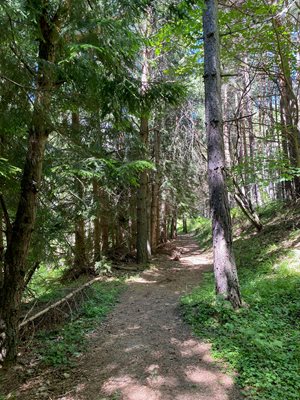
{"type": "Point", "coordinates": [144, 351]}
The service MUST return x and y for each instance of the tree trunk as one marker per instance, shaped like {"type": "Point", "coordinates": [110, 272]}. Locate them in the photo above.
{"type": "Point", "coordinates": [155, 194]}
{"type": "Point", "coordinates": [80, 264]}
{"type": "Point", "coordinates": [184, 225]}
{"type": "Point", "coordinates": [97, 229]}
{"type": "Point", "coordinates": [289, 106]}
{"type": "Point", "coordinates": [104, 221]}
{"type": "Point", "coordinates": [132, 222]}
{"type": "Point", "coordinates": [288, 187]}
{"type": "Point", "coordinates": [164, 227]}
{"type": "Point", "coordinates": [154, 206]}
{"type": "Point", "coordinates": [227, 284]}
{"type": "Point", "coordinates": [80, 258]}
{"type": "Point", "coordinates": [22, 228]}
{"type": "Point", "coordinates": [142, 243]}
{"type": "Point", "coordinates": [226, 129]}
{"type": "Point", "coordinates": [173, 225]}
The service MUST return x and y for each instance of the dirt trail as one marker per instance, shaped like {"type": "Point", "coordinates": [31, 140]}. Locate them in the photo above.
{"type": "Point", "coordinates": [144, 351]}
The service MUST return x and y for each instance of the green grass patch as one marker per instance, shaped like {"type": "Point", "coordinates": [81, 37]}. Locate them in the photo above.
{"type": "Point", "coordinates": [201, 227]}
{"type": "Point", "coordinates": [44, 285]}
{"type": "Point", "coordinates": [61, 346]}
{"type": "Point", "coordinates": [262, 341]}
{"type": "Point", "coordinates": [193, 223]}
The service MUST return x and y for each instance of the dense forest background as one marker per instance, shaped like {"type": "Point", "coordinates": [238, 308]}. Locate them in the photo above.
{"type": "Point", "coordinates": [103, 145]}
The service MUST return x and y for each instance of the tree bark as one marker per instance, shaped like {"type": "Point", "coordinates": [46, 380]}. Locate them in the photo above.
{"type": "Point", "coordinates": [143, 243]}
{"type": "Point", "coordinates": [164, 227]}
{"type": "Point", "coordinates": [97, 229]}
{"type": "Point", "coordinates": [184, 225]}
{"type": "Point", "coordinates": [80, 259]}
{"type": "Point", "coordinates": [15, 267]}
{"type": "Point", "coordinates": [155, 220]}
{"type": "Point", "coordinates": [104, 221]}
{"type": "Point", "coordinates": [289, 107]}
{"type": "Point", "coordinates": [226, 278]}
{"type": "Point", "coordinates": [132, 221]}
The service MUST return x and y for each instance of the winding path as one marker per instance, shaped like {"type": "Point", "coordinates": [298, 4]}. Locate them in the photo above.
{"type": "Point", "coordinates": [144, 351]}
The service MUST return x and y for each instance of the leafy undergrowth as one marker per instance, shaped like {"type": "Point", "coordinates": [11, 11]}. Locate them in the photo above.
{"type": "Point", "coordinates": [61, 346]}
{"type": "Point", "coordinates": [47, 285]}
{"type": "Point", "coordinates": [261, 342]}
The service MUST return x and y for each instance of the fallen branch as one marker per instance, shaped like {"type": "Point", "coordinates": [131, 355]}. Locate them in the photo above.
{"type": "Point", "coordinates": [54, 305]}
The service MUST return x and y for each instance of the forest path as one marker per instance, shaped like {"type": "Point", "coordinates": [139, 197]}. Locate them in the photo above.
{"type": "Point", "coordinates": [144, 350]}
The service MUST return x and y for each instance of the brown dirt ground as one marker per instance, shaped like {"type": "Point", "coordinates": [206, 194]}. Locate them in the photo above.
{"type": "Point", "coordinates": [144, 350]}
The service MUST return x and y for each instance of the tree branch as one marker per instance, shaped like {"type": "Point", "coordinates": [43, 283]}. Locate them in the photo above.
{"type": "Point", "coordinates": [238, 118]}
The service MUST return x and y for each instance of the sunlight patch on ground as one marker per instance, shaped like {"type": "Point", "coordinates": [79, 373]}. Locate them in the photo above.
{"type": "Point", "coordinates": [191, 347]}
{"type": "Point", "coordinates": [130, 389]}
{"type": "Point", "coordinates": [139, 279]}
{"type": "Point", "coordinates": [200, 375]}
{"type": "Point", "coordinates": [194, 260]}
{"type": "Point", "coordinates": [159, 381]}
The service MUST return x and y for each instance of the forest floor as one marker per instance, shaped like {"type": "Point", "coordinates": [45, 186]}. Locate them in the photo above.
{"type": "Point", "coordinates": [144, 350]}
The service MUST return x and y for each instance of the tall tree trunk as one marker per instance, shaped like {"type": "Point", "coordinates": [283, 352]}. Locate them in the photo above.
{"type": "Point", "coordinates": [164, 227]}
{"type": "Point", "coordinates": [248, 111]}
{"type": "Point", "coordinates": [80, 258]}
{"type": "Point", "coordinates": [288, 187]}
{"type": "Point", "coordinates": [142, 243]}
{"type": "Point", "coordinates": [289, 105]}
{"type": "Point", "coordinates": [227, 284]}
{"type": "Point", "coordinates": [142, 217]}
{"type": "Point", "coordinates": [184, 225]}
{"type": "Point", "coordinates": [132, 221]}
{"type": "Point", "coordinates": [155, 194]}
{"type": "Point", "coordinates": [18, 246]}
{"type": "Point", "coordinates": [173, 226]}
{"type": "Point", "coordinates": [104, 220]}
{"type": "Point", "coordinates": [97, 229]}
{"type": "Point", "coordinates": [226, 128]}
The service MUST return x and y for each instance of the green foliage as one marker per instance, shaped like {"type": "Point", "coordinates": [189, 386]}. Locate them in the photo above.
{"type": "Point", "coordinates": [277, 165]}
{"type": "Point", "coordinates": [260, 341]}
{"type": "Point", "coordinates": [202, 229]}
{"type": "Point", "coordinates": [129, 172]}
{"type": "Point", "coordinates": [103, 266]}
{"type": "Point", "coordinates": [60, 347]}
{"type": "Point", "coordinates": [45, 284]}
{"type": "Point", "coordinates": [7, 170]}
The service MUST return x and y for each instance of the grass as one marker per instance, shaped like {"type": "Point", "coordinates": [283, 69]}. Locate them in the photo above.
{"type": "Point", "coordinates": [45, 285]}
{"type": "Point", "coordinates": [260, 342]}
{"type": "Point", "coordinates": [61, 346]}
